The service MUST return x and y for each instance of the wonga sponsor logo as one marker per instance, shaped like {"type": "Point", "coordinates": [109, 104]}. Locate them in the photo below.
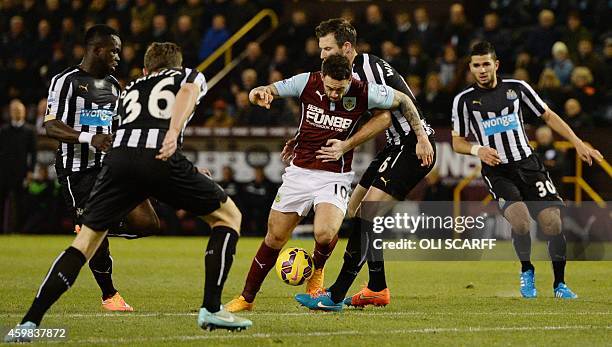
{"type": "Point", "coordinates": [500, 124]}
{"type": "Point", "coordinates": [100, 117]}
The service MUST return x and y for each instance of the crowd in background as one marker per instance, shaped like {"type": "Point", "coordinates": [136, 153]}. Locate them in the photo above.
{"type": "Point", "coordinates": [562, 48]}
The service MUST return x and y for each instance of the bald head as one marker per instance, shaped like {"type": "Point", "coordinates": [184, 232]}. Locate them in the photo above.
{"type": "Point", "coordinates": [17, 111]}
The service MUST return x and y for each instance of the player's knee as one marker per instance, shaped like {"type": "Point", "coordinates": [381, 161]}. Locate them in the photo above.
{"type": "Point", "coordinates": [521, 226]}
{"type": "Point", "coordinates": [325, 235]}
{"type": "Point", "coordinates": [550, 223]}
{"type": "Point", "coordinates": [275, 240]}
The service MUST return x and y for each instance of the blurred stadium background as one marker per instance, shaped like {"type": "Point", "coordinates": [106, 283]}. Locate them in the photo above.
{"type": "Point", "coordinates": [562, 48]}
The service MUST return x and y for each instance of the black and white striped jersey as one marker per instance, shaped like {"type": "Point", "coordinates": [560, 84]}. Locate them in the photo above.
{"type": "Point", "coordinates": [367, 67]}
{"type": "Point", "coordinates": [145, 106]}
{"type": "Point", "coordinates": [495, 117]}
{"type": "Point", "coordinates": [86, 104]}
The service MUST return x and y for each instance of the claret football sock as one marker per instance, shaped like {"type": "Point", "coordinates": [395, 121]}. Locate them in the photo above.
{"type": "Point", "coordinates": [354, 259]}
{"type": "Point", "coordinates": [557, 248]}
{"type": "Point", "coordinates": [522, 247]}
{"type": "Point", "coordinates": [101, 265]}
{"type": "Point", "coordinates": [218, 261]}
{"type": "Point", "coordinates": [59, 279]}
{"type": "Point", "coordinates": [264, 260]}
{"type": "Point", "coordinates": [322, 252]}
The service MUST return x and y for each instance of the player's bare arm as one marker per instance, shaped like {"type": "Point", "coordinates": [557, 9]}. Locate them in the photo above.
{"type": "Point", "coordinates": [424, 150]}
{"type": "Point", "coordinates": [487, 154]}
{"type": "Point", "coordinates": [263, 95]}
{"type": "Point", "coordinates": [336, 148]}
{"type": "Point", "coordinates": [585, 152]}
{"type": "Point", "coordinates": [182, 108]}
{"type": "Point", "coordinates": [60, 131]}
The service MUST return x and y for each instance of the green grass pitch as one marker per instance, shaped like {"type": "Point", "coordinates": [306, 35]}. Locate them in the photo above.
{"type": "Point", "coordinates": [433, 303]}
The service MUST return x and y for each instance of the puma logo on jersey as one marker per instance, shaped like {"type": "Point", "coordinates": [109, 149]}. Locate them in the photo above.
{"type": "Point", "coordinates": [320, 95]}
{"type": "Point", "coordinates": [385, 181]}
{"type": "Point", "coordinates": [476, 102]}
{"type": "Point", "coordinates": [84, 87]}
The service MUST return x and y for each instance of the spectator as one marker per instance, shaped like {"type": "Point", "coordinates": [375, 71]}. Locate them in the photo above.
{"type": "Point", "coordinates": [144, 10]}
{"type": "Point", "coordinates": [29, 13]}
{"type": "Point", "coordinates": [42, 202]}
{"type": "Point", "coordinates": [220, 117]}
{"type": "Point", "coordinates": [549, 89]}
{"type": "Point", "coordinates": [186, 37]}
{"type": "Point", "coordinates": [241, 12]}
{"type": "Point", "coordinates": [130, 66]}
{"type": "Point", "coordinates": [553, 159]}
{"type": "Point", "coordinates": [525, 61]}
{"type": "Point", "coordinates": [21, 77]}
{"type": "Point", "coordinates": [195, 10]}
{"type": "Point", "coordinates": [434, 100]}
{"type": "Point", "coordinates": [402, 28]}
{"type": "Point", "coordinates": [458, 32]}
{"type": "Point", "coordinates": [18, 157]}
{"type": "Point", "coordinates": [425, 32]}
{"type": "Point", "coordinates": [575, 117]}
{"type": "Point", "coordinates": [521, 74]}
{"type": "Point", "coordinates": [257, 193]}
{"type": "Point", "coordinates": [449, 69]}
{"type": "Point", "coordinates": [16, 42]}
{"type": "Point", "coordinates": [587, 57]}
{"type": "Point", "coordinates": [43, 44]}
{"type": "Point", "coordinates": [310, 59]}
{"type": "Point", "coordinates": [391, 54]}
{"type": "Point", "coordinates": [295, 33]}
{"type": "Point", "coordinates": [138, 37]}
{"type": "Point", "coordinates": [418, 61]}
{"type": "Point", "coordinates": [248, 115]}
{"type": "Point", "coordinates": [499, 38]}
{"type": "Point", "coordinates": [160, 33]}
{"type": "Point", "coordinates": [248, 81]}
{"type": "Point", "coordinates": [281, 62]}
{"type": "Point", "coordinates": [214, 37]}
{"type": "Point", "coordinates": [232, 187]}
{"type": "Point", "coordinates": [69, 35]}
{"type": "Point", "coordinates": [583, 90]}
{"type": "Point", "coordinates": [256, 60]}
{"type": "Point", "coordinates": [539, 40]}
{"type": "Point", "coordinates": [114, 23]}
{"type": "Point", "coordinates": [574, 32]}
{"type": "Point", "coordinates": [561, 63]}
{"type": "Point", "coordinates": [98, 10]}
{"type": "Point", "coordinates": [375, 30]}
{"type": "Point", "coordinates": [122, 11]}
{"type": "Point", "coordinates": [416, 84]}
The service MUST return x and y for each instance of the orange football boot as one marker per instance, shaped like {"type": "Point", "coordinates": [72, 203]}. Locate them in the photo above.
{"type": "Point", "coordinates": [367, 297]}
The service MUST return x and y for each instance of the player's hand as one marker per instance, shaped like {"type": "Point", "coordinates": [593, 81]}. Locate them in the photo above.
{"type": "Point", "coordinates": [334, 150]}
{"type": "Point", "coordinates": [102, 142]}
{"type": "Point", "coordinates": [261, 97]}
{"type": "Point", "coordinates": [168, 146]}
{"type": "Point", "coordinates": [489, 156]}
{"type": "Point", "coordinates": [587, 153]}
{"type": "Point", "coordinates": [425, 152]}
{"type": "Point", "coordinates": [287, 153]}
{"type": "Point", "coordinates": [204, 171]}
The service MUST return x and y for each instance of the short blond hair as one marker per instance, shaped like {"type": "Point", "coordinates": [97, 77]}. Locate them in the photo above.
{"type": "Point", "coordinates": [161, 55]}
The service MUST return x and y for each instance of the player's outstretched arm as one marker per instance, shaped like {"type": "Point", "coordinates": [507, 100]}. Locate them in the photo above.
{"type": "Point", "coordinates": [182, 108]}
{"type": "Point", "coordinates": [424, 149]}
{"type": "Point", "coordinates": [336, 148]}
{"type": "Point", "coordinates": [60, 131]}
{"type": "Point", "coordinates": [585, 152]}
{"type": "Point", "coordinates": [487, 154]}
{"type": "Point", "coordinates": [263, 95]}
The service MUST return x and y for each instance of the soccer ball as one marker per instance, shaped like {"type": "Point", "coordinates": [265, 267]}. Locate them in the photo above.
{"type": "Point", "coordinates": [294, 266]}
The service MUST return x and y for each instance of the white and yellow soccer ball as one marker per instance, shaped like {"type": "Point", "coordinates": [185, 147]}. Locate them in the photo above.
{"type": "Point", "coordinates": [294, 266]}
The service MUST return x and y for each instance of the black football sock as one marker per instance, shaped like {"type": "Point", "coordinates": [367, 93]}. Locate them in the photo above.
{"type": "Point", "coordinates": [101, 265]}
{"type": "Point", "coordinates": [522, 247]}
{"type": "Point", "coordinates": [353, 261]}
{"type": "Point", "coordinates": [377, 280]}
{"type": "Point", "coordinates": [59, 279]}
{"type": "Point", "coordinates": [557, 248]}
{"type": "Point", "coordinates": [218, 261]}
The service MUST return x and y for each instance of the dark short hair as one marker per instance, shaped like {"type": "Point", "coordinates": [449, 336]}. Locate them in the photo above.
{"type": "Point", "coordinates": [484, 48]}
{"type": "Point", "coordinates": [98, 32]}
{"type": "Point", "coordinates": [342, 29]}
{"type": "Point", "coordinates": [161, 55]}
{"type": "Point", "coordinates": [337, 67]}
